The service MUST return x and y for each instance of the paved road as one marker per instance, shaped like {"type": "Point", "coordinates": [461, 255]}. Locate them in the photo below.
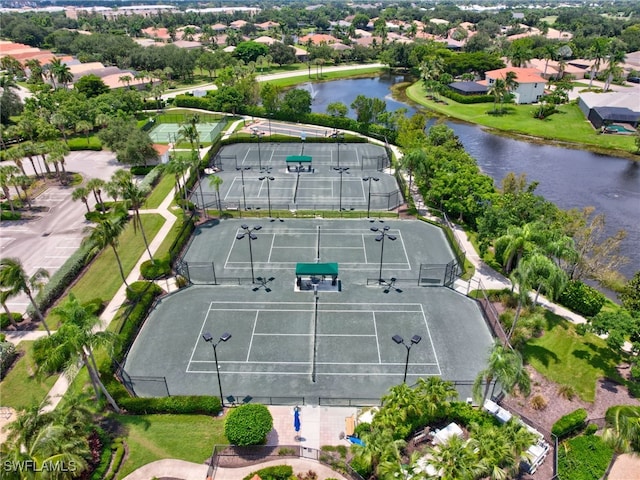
{"type": "Point", "coordinates": [275, 76]}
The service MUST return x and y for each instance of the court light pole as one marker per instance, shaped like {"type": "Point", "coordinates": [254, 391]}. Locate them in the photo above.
{"type": "Point", "coordinates": [368, 179]}
{"type": "Point", "coordinates": [258, 135]}
{"type": "Point", "coordinates": [383, 233]}
{"type": "Point", "coordinates": [400, 341]}
{"type": "Point", "coordinates": [244, 196]}
{"type": "Point", "coordinates": [341, 171]}
{"type": "Point", "coordinates": [269, 179]}
{"type": "Point", "coordinates": [209, 339]}
{"type": "Point", "coordinates": [251, 236]}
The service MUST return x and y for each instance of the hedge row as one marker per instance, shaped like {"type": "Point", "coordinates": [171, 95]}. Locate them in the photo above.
{"type": "Point", "coordinates": [151, 178]}
{"type": "Point", "coordinates": [569, 423]}
{"type": "Point", "coordinates": [7, 355]}
{"type": "Point", "coordinates": [466, 99]}
{"type": "Point", "coordinates": [193, 404]}
{"type": "Point", "coordinates": [64, 277]}
{"type": "Point", "coordinates": [277, 472]}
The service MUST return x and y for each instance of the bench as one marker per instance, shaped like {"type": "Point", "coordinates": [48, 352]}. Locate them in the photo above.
{"type": "Point", "coordinates": [422, 436]}
{"type": "Point", "coordinates": [349, 425]}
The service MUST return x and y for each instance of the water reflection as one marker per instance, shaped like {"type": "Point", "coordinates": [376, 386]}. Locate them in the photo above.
{"type": "Point", "coordinates": [569, 178]}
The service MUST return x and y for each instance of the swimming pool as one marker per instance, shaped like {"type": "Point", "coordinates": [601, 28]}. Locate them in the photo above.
{"type": "Point", "coordinates": [617, 129]}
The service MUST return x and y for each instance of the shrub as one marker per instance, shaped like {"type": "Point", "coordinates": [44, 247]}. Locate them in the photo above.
{"type": "Point", "coordinates": [583, 458]}
{"type": "Point", "coordinates": [569, 423]}
{"type": "Point", "coordinates": [142, 169]}
{"type": "Point", "coordinates": [95, 306]}
{"type": "Point", "coordinates": [81, 143]}
{"type": "Point", "coordinates": [360, 465]}
{"type": "Point", "coordinates": [151, 178]}
{"type": "Point", "coordinates": [7, 355]}
{"type": "Point", "coordinates": [567, 391]}
{"type": "Point", "coordinates": [277, 472]}
{"type": "Point", "coordinates": [5, 322]}
{"type": "Point", "coordinates": [582, 298]}
{"type": "Point", "coordinates": [248, 425]}
{"type": "Point", "coordinates": [538, 402]}
{"type": "Point", "coordinates": [361, 428]}
{"type": "Point", "coordinates": [286, 452]}
{"type": "Point", "coordinates": [462, 412]}
{"type": "Point", "coordinates": [137, 289]}
{"type": "Point", "coordinates": [151, 270]}
{"type": "Point", "coordinates": [203, 103]}
{"type": "Point", "coordinates": [9, 215]}
{"type": "Point", "coordinates": [466, 99]}
{"type": "Point", "coordinates": [591, 429]}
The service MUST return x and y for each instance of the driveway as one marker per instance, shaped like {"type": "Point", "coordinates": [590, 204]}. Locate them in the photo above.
{"type": "Point", "coordinates": [49, 237]}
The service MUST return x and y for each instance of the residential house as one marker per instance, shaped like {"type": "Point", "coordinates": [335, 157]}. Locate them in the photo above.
{"type": "Point", "coordinates": [530, 83]}
{"type": "Point", "coordinates": [317, 39]}
{"type": "Point", "coordinates": [612, 107]}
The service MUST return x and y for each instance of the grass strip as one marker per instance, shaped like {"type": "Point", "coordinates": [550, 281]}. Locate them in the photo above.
{"type": "Point", "coordinates": [567, 358]}
{"type": "Point", "coordinates": [20, 388]}
{"type": "Point", "coordinates": [155, 437]}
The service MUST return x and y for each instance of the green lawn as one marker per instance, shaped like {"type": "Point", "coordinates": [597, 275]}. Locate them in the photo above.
{"type": "Point", "coordinates": [160, 191]}
{"type": "Point", "coordinates": [20, 388]}
{"type": "Point", "coordinates": [567, 358]}
{"type": "Point", "coordinates": [569, 125]}
{"type": "Point", "coordinates": [583, 458]}
{"type": "Point", "coordinates": [155, 437]}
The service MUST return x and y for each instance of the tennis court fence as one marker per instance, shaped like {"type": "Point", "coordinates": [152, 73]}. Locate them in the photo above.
{"type": "Point", "coordinates": [429, 275]}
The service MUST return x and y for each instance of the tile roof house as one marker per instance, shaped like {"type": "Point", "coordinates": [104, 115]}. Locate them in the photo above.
{"type": "Point", "coordinates": [318, 38]}
{"type": "Point", "coordinates": [530, 83]}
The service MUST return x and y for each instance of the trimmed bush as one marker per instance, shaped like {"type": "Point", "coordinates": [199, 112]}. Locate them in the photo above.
{"type": "Point", "coordinates": [151, 270]}
{"type": "Point", "coordinates": [569, 423]}
{"type": "Point", "coordinates": [9, 215]}
{"type": "Point", "coordinates": [192, 102]}
{"type": "Point", "coordinates": [277, 472]}
{"type": "Point", "coordinates": [151, 178]}
{"type": "Point", "coordinates": [192, 404]}
{"type": "Point", "coordinates": [5, 322]}
{"type": "Point", "coordinates": [465, 99]}
{"type": "Point", "coordinates": [248, 425]}
{"type": "Point", "coordinates": [137, 289]}
{"type": "Point", "coordinates": [591, 429]}
{"type": "Point", "coordinates": [141, 169]}
{"type": "Point", "coordinates": [582, 298]}
{"type": "Point", "coordinates": [95, 306]}
{"type": "Point", "coordinates": [81, 143]}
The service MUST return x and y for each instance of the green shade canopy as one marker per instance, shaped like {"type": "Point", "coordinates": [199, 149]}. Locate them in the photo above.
{"type": "Point", "coordinates": [316, 269]}
{"type": "Point", "coordinates": [298, 159]}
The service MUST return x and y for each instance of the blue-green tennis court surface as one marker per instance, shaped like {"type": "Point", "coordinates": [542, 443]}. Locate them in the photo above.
{"type": "Point", "coordinates": [170, 132]}
{"type": "Point", "coordinates": [282, 349]}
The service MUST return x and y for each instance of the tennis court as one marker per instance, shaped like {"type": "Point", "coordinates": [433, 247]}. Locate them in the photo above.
{"type": "Point", "coordinates": [268, 177]}
{"type": "Point", "coordinates": [169, 132]}
{"type": "Point", "coordinates": [289, 345]}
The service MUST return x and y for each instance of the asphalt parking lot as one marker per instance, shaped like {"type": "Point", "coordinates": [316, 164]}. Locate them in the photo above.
{"type": "Point", "coordinates": [48, 238]}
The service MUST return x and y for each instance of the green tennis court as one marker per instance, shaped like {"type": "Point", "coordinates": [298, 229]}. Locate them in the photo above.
{"type": "Point", "coordinates": [291, 345]}
{"type": "Point", "coordinates": [170, 132]}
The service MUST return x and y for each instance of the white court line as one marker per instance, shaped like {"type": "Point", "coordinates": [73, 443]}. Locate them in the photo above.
{"type": "Point", "coordinates": [235, 239]}
{"type": "Point", "coordinates": [253, 332]}
{"type": "Point", "coordinates": [404, 249]}
{"type": "Point", "coordinates": [311, 335]}
{"type": "Point", "coordinates": [375, 329]}
{"type": "Point", "coordinates": [193, 351]}
{"type": "Point", "coordinates": [56, 256]}
{"type": "Point", "coordinates": [273, 240]}
{"type": "Point", "coordinates": [254, 362]}
{"type": "Point", "coordinates": [364, 249]}
{"type": "Point", "coordinates": [433, 348]}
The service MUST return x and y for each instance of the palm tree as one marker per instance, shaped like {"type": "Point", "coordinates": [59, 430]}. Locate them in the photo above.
{"type": "Point", "coordinates": [412, 161]}
{"type": "Point", "coordinates": [81, 193]}
{"type": "Point", "coordinates": [24, 183]}
{"type": "Point", "coordinates": [435, 395]}
{"type": "Point", "coordinates": [510, 82]}
{"type": "Point", "coordinates": [541, 272]}
{"type": "Point", "coordinates": [597, 52]}
{"type": "Point", "coordinates": [7, 173]}
{"type": "Point", "coordinates": [617, 55]}
{"type": "Point", "coordinates": [498, 90]}
{"type": "Point", "coordinates": [623, 429]}
{"type": "Point", "coordinates": [106, 233]}
{"type": "Point", "coordinates": [96, 185]}
{"type": "Point", "coordinates": [455, 459]}
{"type": "Point", "coordinates": [77, 336]}
{"type": "Point", "coordinates": [84, 126]}
{"type": "Point", "coordinates": [178, 166]}
{"type": "Point", "coordinates": [5, 295]}
{"type": "Point", "coordinates": [518, 242]}
{"type": "Point", "coordinates": [35, 67]}
{"type": "Point", "coordinates": [60, 120]}
{"type": "Point", "coordinates": [506, 367]}
{"type": "Point", "coordinates": [549, 53]}
{"type": "Point", "coordinates": [215, 181]}
{"type": "Point", "coordinates": [125, 79]}
{"type": "Point", "coordinates": [520, 283]}
{"type": "Point", "coordinates": [400, 403]}
{"type": "Point", "coordinates": [135, 197]}
{"type": "Point", "coordinates": [13, 277]}
{"type": "Point", "coordinates": [189, 131]}
{"type": "Point", "coordinates": [61, 72]}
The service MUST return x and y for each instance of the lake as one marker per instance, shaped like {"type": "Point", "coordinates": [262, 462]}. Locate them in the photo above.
{"type": "Point", "coordinates": [569, 178]}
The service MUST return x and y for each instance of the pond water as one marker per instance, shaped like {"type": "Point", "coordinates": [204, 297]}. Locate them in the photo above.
{"type": "Point", "coordinates": [569, 178]}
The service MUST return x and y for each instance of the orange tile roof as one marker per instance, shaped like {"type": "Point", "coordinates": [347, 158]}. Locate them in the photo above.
{"type": "Point", "coordinates": [523, 75]}
{"type": "Point", "coordinates": [318, 38]}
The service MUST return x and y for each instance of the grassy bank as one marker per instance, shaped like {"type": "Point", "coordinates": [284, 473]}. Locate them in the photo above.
{"type": "Point", "coordinates": [305, 77]}
{"type": "Point", "coordinates": [569, 126]}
